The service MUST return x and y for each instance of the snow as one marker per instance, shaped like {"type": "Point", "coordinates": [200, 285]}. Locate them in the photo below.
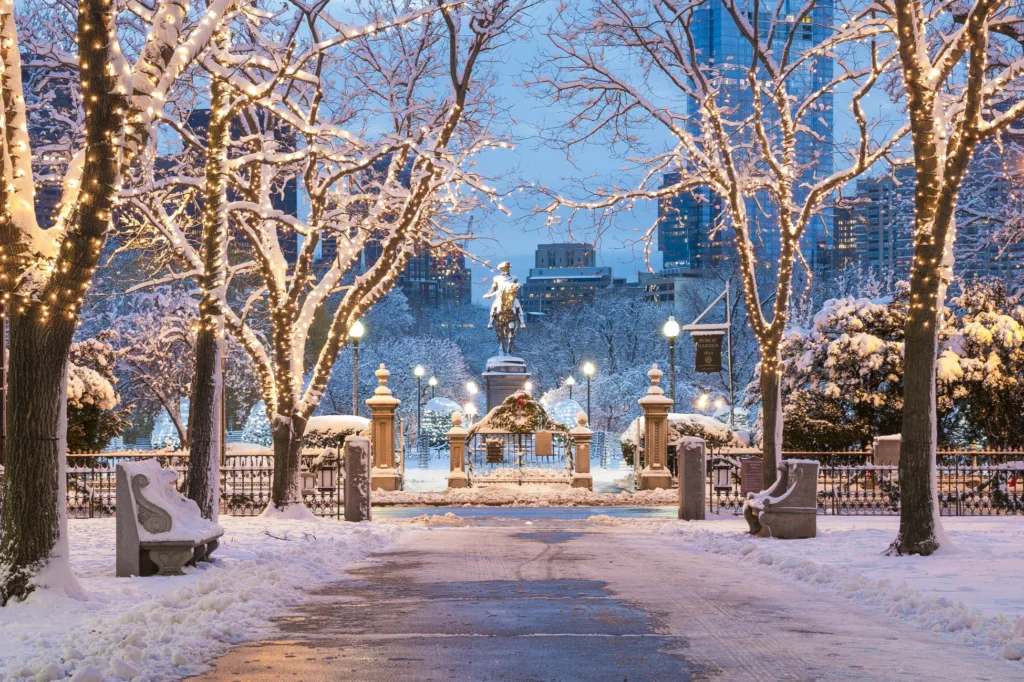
{"type": "Point", "coordinates": [337, 423]}
{"type": "Point", "coordinates": [168, 628]}
{"type": "Point", "coordinates": [965, 594]}
{"type": "Point", "coordinates": [186, 521]}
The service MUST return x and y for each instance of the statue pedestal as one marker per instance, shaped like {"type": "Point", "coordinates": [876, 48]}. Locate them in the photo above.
{"type": "Point", "coordinates": [505, 374]}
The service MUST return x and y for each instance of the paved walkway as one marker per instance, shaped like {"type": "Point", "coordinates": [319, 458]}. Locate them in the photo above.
{"type": "Point", "coordinates": [563, 600]}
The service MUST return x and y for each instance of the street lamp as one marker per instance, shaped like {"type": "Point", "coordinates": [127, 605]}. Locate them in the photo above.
{"type": "Point", "coordinates": [472, 390]}
{"type": "Point", "coordinates": [432, 382]}
{"type": "Point", "coordinates": [570, 382]}
{"type": "Point", "coordinates": [588, 371]}
{"type": "Point", "coordinates": [470, 410]}
{"type": "Point", "coordinates": [671, 332]}
{"type": "Point", "coordinates": [418, 372]}
{"type": "Point", "coordinates": [702, 401]}
{"type": "Point", "coordinates": [528, 386]}
{"type": "Point", "coordinates": [355, 332]}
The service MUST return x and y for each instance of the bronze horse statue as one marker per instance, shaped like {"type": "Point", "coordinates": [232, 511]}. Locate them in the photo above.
{"type": "Point", "coordinates": [509, 318]}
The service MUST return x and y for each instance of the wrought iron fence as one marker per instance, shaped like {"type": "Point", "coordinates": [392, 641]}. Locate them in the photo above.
{"type": "Point", "coordinates": [245, 482]}
{"type": "Point", "coordinates": [970, 482]}
{"type": "Point", "coordinates": [516, 458]}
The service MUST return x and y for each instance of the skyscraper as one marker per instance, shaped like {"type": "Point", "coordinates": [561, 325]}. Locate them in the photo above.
{"type": "Point", "coordinates": [693, 232]}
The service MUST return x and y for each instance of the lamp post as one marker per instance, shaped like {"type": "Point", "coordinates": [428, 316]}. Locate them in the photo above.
{"type": "Point", "coordinates": [671, 332]}
{"type": "Point", "coordinates": [418, 372]}
{"type": "Point", "coordinates": [528, 387]}
{"type": "Point", "coordinates": [588, 371]}
{"type": "Point", "coordinates": [432, 382]}
{"type": "Point", "coordinates": [470, 410]}
{"type": "Point", "coordinates": [570, 382]}
{"type": "Point", "coordinates": [472, 390]}
{"type": "Point", "coordinates": [355, 333]}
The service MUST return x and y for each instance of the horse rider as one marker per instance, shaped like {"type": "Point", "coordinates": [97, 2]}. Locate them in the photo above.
{"type": "Point", "coordinates": [501, 281]}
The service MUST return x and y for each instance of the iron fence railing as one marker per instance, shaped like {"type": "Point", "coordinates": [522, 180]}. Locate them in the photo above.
{"type": "Point", "coordinates": [515, 457]}
{"type": "Point", "coordinates": [970, 482]}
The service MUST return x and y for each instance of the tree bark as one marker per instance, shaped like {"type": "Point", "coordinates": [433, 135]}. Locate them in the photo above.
{"type": "Point", "coordinates": [287, 434]}
{"type": "Point", "coordinates": [31, 521]}
{"type": "Point", "coordinates": [204, 451]}
{"type": "Point", "coordinates": [771, 418]}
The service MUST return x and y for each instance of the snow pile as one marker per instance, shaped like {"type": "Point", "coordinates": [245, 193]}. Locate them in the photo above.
{"type": "Point", "coordinates": [337, 423]}
{"type": "Point", "coordinates": [967, 594]}
{"type": "Point", "coordinates": [157, 628]}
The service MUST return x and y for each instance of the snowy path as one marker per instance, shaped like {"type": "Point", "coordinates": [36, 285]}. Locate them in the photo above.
{"type": "Point", "coordinates": [572, 600]}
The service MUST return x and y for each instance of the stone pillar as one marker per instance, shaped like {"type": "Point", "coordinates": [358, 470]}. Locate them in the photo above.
{"type": "Point", "coordinates": [457, 437]}
{"type": "Point", "coordinates": [358, 465]}
{"type": "Point", "coordinates": [503, 376]}
{"type": "Point", "coordinates": [656, 406]}
{"type": "Point", "coordinates": [693, 479]}
{"type": "Point", "coordinates": [581, 435]}
{"type": "Point", "coordinates": [382, 406]}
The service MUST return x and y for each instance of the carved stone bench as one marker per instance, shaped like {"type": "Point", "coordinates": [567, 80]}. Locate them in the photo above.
{"type": "Point", "coordinates": [159, 530]}
{"type": "Point", "coordinates": [789, 509]}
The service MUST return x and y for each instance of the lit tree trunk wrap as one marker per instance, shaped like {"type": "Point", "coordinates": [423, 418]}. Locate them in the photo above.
{"type": "Point", "coordinates": [208, 383]}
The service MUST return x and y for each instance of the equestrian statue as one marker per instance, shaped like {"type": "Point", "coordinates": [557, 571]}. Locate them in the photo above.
{"type": "Point", "coordinates": [506, 311]}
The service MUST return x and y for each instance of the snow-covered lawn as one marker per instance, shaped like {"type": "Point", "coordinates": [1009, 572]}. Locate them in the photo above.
{"type": "Point", "coordinates": [167, 628]}
{"type": "Point", "coordinates": [972, 594]}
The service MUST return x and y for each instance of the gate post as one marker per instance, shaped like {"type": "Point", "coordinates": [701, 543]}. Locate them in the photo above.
{"type": "Point", "coordinates": [382, 428]}
{"type": "Point", "coordinates": [581, 435]}
{"type": "Point", "coordinates": [457, 438]}
{"type": "Point", "coordinates": [357, 479]}
{"type": "Point", "coordinates": [656, 406]}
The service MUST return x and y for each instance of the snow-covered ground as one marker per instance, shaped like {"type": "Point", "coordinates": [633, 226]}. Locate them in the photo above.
{"type": "Point", "coordinates": [167, 628]}
{"type": "Point", "coordinates": [972, 593]}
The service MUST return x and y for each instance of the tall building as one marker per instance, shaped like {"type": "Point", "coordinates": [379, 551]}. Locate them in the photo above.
{"type": "Point", "coordinates": [693, 230]}
{"type": "Point", "coordinates": [578, 281]}
{"type": "Point", "coordinates": [565, 256]}
{"type": "Point", "coordinates": [437, 277]}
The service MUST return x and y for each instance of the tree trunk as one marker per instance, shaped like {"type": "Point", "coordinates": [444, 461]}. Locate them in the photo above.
{"type": "Point", "coordinates": [204, 452]}
{"type": "Point", "coordinates": [771, 418]}
{"type": "Point", "coordinates": [918, 491]}
{"type": "Point", "coordinates": [287, 434]}
{"type": "Point", "coordinates": [34, 519]}
{"type": "Point", "coordinates": [207, 382]}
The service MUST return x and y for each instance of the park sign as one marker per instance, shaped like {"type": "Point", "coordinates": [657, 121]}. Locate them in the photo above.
{"type": "Point", "coordinates": [708, 358]}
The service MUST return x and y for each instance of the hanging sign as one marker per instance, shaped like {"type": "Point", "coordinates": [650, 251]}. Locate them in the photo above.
{"type": "Point", "coordinates": [709, 352]}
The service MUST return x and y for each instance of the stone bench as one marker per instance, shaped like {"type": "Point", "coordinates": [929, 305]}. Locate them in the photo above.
{"type": "Point", "coordinates": [159, 530]}
{"type": "Point", "coordinates": [789, 509]}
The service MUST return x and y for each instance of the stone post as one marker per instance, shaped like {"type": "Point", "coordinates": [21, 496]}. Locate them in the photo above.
{"type": "Point", "coordinates": [457, 437]}
{"type": "Point", "coordinates": [382, 406]}
{"type": "Point", "coordinates": [581, 435]}
{"type": "Point", "coordinates": [358, 465]}
{"type": "Point", "coordinates": [693, 479]}
{"type": "Point", "coordinates": [656, 406]}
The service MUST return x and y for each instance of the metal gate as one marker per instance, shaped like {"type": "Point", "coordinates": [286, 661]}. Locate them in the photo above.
{"type": "Point", "coordinates": [544, 457]}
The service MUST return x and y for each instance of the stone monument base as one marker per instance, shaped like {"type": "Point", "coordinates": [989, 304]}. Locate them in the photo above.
{"type": "Point", "coordinates": [504, 375]}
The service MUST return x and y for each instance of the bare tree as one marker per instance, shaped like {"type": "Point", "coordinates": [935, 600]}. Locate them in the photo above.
{"type": "Point", "coordinates": [962, 66]}
{"type": "Point", "coordinates": [44, 273]}
{"type": "Point", "coordinates": [388, 117]}
{"type": "Point", "coordinates": [627, 66]}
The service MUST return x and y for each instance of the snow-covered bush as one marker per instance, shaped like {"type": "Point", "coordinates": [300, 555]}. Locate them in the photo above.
{"type": "Point", "coordinates": [715, 433]}
{"type": "Point", "coordinates": [980, 368]}
{"type": "Point", "coordinates": [93, 414]}
{"type": "Point", "coordinates": [843, 381]}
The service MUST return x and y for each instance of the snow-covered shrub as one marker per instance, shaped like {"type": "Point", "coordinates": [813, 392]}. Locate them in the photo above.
{"type": "Point", "coordinates": [980, 368]}
{"type": "Point", "coordinates": [715, 433]}
{"type": "Point", "coordinates": [843, 377]}
{"type": "Point", "coordinates": [93, 414]}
